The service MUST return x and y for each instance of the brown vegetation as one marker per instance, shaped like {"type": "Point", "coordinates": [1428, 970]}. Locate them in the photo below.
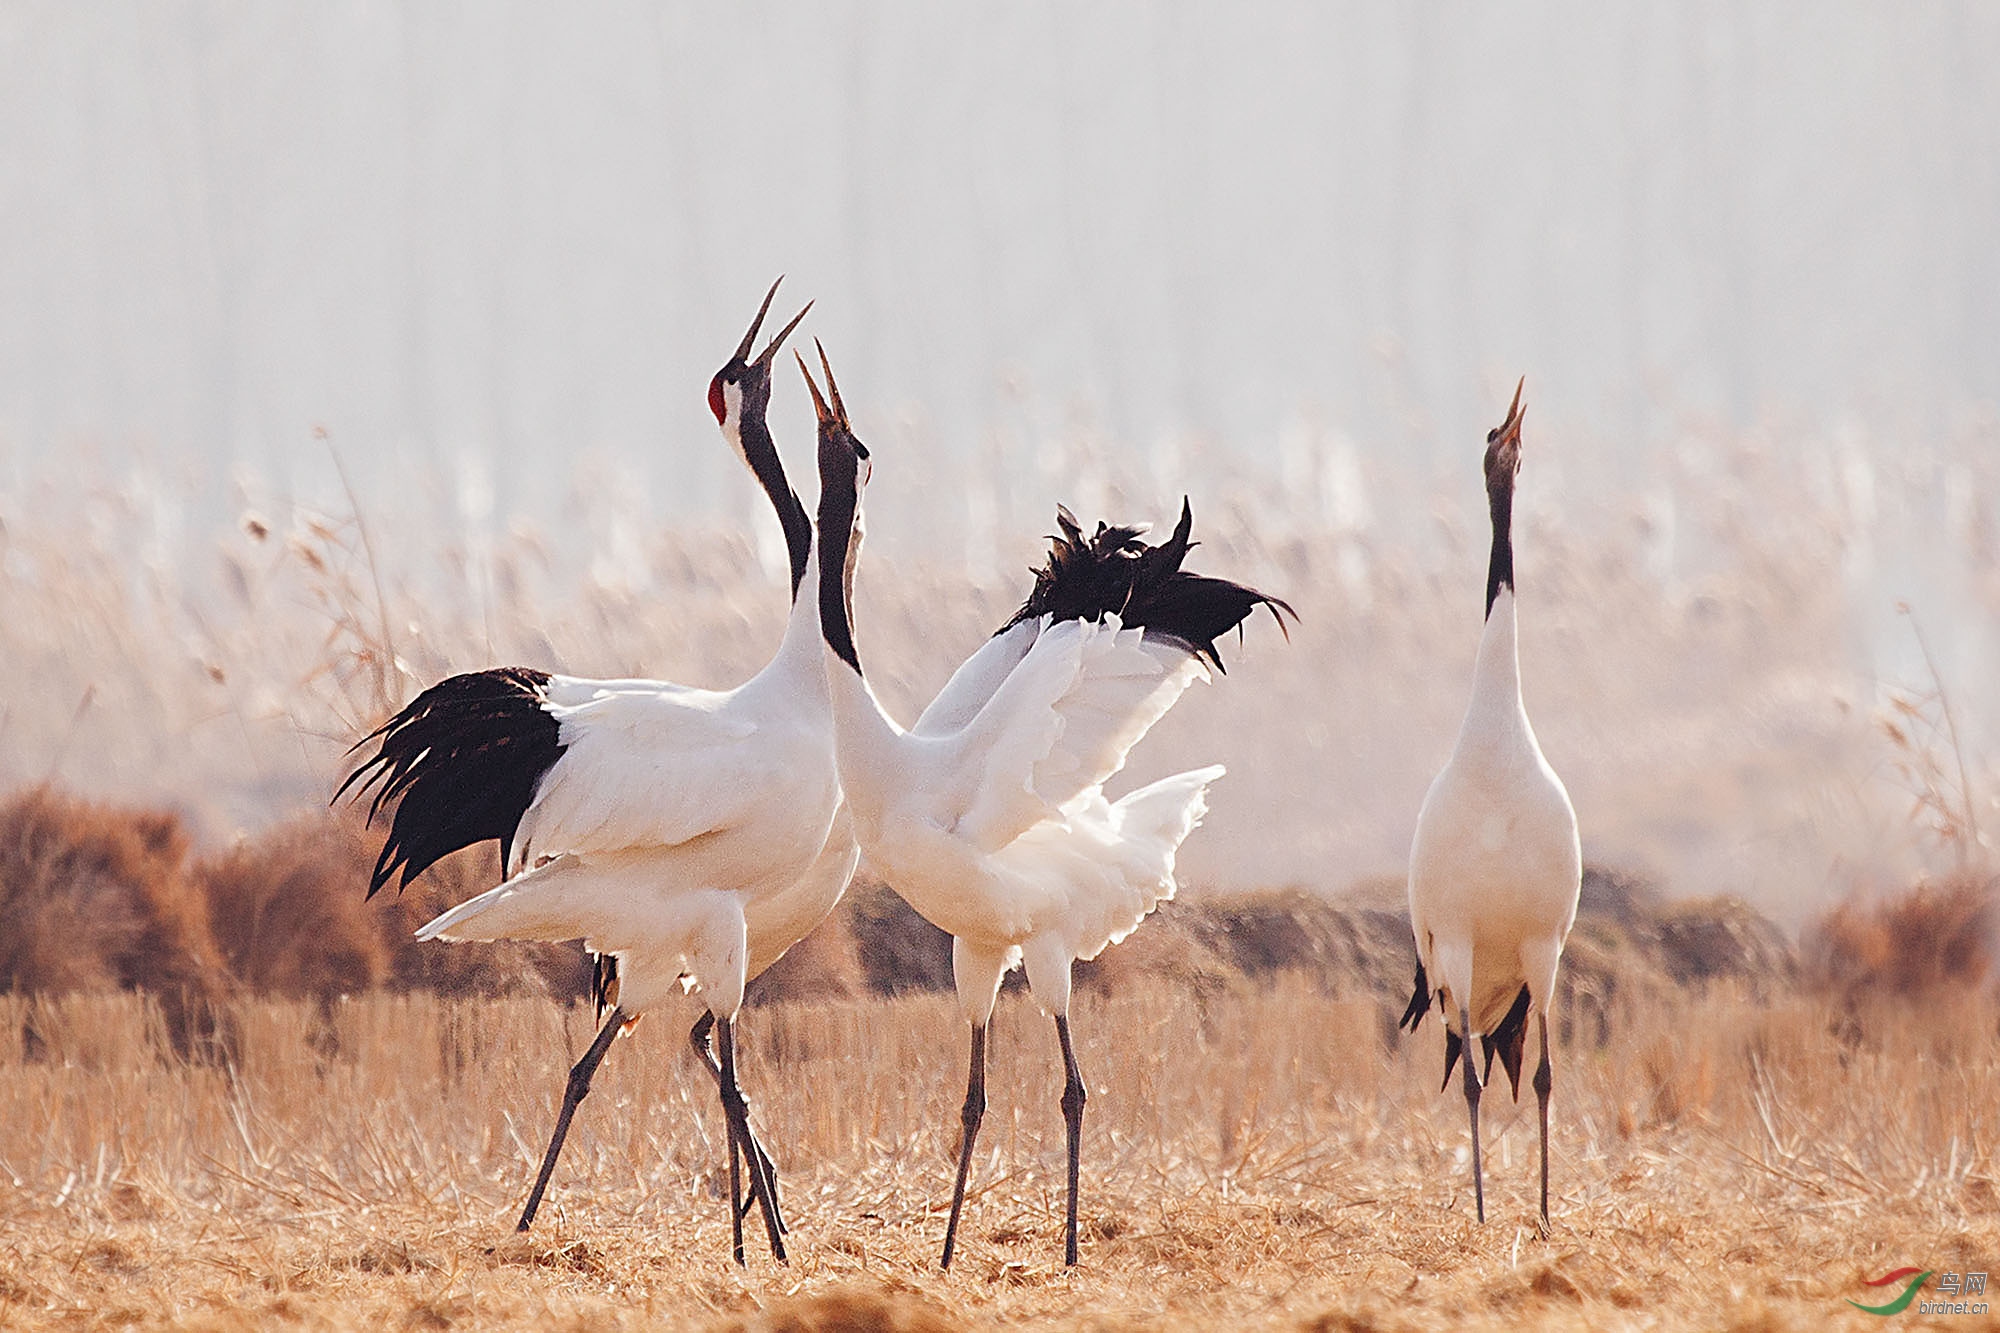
{"type": "Point", "coordinates": [1743, 1133]}
{"type": "Point", "coordinates": [99, 898]}
{"type": "Point", "coordinates": [1937, 938]}
{"type": "Point", "coordinates": [1733, 1148]}
{"type": "Point", "coordinates": [96, 898]}
{"type": "Point", "coordinates": [1267, 1159]}
{"type": "Point", "coordinates": [102, 898]}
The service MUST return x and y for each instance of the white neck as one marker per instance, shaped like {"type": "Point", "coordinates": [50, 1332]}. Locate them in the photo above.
{"type": "Point", "coordinates": [796, 665]}
{"type": "Point", "coordinates": [870, 746]}
{"type": "Point", "coordinates": [1496, 715]}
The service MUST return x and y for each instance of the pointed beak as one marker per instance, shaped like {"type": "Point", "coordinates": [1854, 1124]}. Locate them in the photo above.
{"type": "Point", "coordinates": [743, 348]}
{"type": "Point", "coordinates": [832, 389]}
{"type": "Point", "coordinates": [1510, 429]}
{"type": "Point", "coordinates": [819, 403]}
{"type": "Point", "coordinates": [769, 355]}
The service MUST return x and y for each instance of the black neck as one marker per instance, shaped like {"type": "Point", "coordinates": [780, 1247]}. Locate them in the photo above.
{"type": "Point", "coordinates": [837, 501]}
{"type": "Point", "coordinates": [762, 454]}
{"type": "Point", "coordinates": [1500, 568]}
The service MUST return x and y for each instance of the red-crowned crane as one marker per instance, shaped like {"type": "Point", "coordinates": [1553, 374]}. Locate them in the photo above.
{"type": "Point", "coordinates": [989, 814]}
{"type": "Point", "coordinates": [1495, 867]}
{"type": "Point", "coordinates": [685, 835]}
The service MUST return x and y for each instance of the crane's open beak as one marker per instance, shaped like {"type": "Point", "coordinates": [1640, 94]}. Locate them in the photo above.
{"type": "Point", "coordinates": [769, 355]}
{"type": "Point", "coordinates": [819, 403]}
{"type": "Point", "coordinates": [836, 414]}
{"type": "Point", "coordinates": [770, 352]}
{"type": "Point", "coordinates": [833, 391]}
{"type": "Point", "coordinates": [1510, 429]}
{"type": "Point", "coordinates": [750, 338]}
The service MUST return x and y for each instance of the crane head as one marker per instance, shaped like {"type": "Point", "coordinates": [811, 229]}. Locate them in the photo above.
{"type": "Point", "coordinates": [742, 388]}
{"type": "Point", "coordinates": [842, 457]}
{"type": "Point", "coordinates": [843, 476]}
{"type": "Point", "coordinates": [1503, 443]}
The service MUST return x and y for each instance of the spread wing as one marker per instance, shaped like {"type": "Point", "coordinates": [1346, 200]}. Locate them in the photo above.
{"type": "Point", "coordinates": [1061, 723]}
{"type": "Point", "coordinates": [643, 765]}
{"type": "Point", "coordinates": [976, 680]}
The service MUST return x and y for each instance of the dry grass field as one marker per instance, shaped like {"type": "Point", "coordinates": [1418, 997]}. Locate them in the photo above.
{"type": "Point", "coordinates": [1256, 1157]}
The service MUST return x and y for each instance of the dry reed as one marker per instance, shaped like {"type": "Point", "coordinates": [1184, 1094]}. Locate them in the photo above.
{"type": "Point", "coordinates": [1266, 1159]}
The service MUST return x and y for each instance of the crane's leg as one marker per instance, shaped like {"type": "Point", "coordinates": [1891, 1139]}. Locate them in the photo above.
{"type": "Point", "coordinates": [969, 1116]}
{"type": "Point", "coordinates": [698, 1038]}
{"type": "Point", "coordinates": [1472, 1106]}
{"type": "Point", "coordinates": [737, 1112]}
{"type": "Point", "coordinates": [1544, 1081]}
{"type": "Point", "coordinates": [1072, 1108]}
{"type": "Point", "coordinates": [574, 1092]}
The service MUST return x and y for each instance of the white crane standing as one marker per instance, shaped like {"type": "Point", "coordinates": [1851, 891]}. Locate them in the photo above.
{"type": "Point", "coordinates": [989, 815]}
{"type": "Point", "coordinates": [684, 834]}
{"type": "Point", "coordinates": [1495, 866]}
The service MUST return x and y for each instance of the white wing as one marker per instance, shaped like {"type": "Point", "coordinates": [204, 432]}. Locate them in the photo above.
{"type": "Point", "coordinates": [1061, 723]}
{"type": "Point", "coordinates": [575, 691]}
{"type": "Point", "coordinates": [644, 765]}
{"type": "Point", "coordinates": [562, 899]}
{"type": "Point", "coordinates": [976, 679]}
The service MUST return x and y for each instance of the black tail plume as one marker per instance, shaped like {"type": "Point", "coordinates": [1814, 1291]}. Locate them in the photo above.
{"type": "Point", "coordinates": [1453, 1044]}
{"type": "Point", "coordinates": [461, 763]}
{"type": "Point", "coordinates": [1114, 571]}
{"type": "Point", "coordinates": [1509, 1041]}
{"type": "Point", "coordinates": [1420, 1002]}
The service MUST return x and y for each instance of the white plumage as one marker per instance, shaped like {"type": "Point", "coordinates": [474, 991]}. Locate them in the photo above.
{"type": "Point", "coordinates": [986, 827]}
{"type": "Point", "coordinates": [674, 818]}
{"type": "Point", "coordinates": [989, 815]}
{"type": "Point", "coordinates": [691, 836]}
{"type": "Point", "coordinates": [1495, 865]}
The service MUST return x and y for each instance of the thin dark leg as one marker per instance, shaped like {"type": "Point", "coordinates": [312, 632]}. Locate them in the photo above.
{"type": "Point", "coordinates": [1544, 1081]}
{"type": "Point", "coordinates": [763, 1179]}
{"type": "Point", "coordinates": [574, 1092]}
{"type": "Point", "coordinates": [1472, 1106]}
{"type": "Point", "coordinates": [969, 1116]}
{"type": "Point", "coordinates": [698, 1038]}
{"type": "Point", "coordinates": [735, 1192]}
{"type": "Point", "coordinates": [737, 1111]}
{"type": "Point", "coordinates": [1072, 1108]}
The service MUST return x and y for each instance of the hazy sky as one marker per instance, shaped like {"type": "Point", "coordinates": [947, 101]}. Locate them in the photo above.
{"type": "Point", "coordinates": [502, 233]}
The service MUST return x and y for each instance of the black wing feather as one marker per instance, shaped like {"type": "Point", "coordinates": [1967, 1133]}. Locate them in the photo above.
{"type": "Point", "coordinates": [461, 763]}
{"type": "Point", "coordinates": [1114, 571]}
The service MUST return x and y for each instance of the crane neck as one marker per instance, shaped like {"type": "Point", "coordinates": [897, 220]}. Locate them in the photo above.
{"type": "Point", "coordinates": [752, 438]}
{"type": "Point", "coordinates": [1496, 721]}
{"type": "Point", "coordinates": [1496, 708]}
{"type": "Point", "coordinates": [869, 746]}
{"type": "Point", "coordinates": [840, 549]}
{"type": "Point", "coordinates": [796, 666]}
{"type": "Point", "coordinates": [1500, 565]}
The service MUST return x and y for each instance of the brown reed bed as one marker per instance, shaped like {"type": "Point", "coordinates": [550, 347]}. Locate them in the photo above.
{"type": "Point", "coordinates": [1263, 1159]}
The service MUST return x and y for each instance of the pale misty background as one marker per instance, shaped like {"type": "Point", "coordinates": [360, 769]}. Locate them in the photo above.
{"type": "Point", "coordinates": [493, 253]}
